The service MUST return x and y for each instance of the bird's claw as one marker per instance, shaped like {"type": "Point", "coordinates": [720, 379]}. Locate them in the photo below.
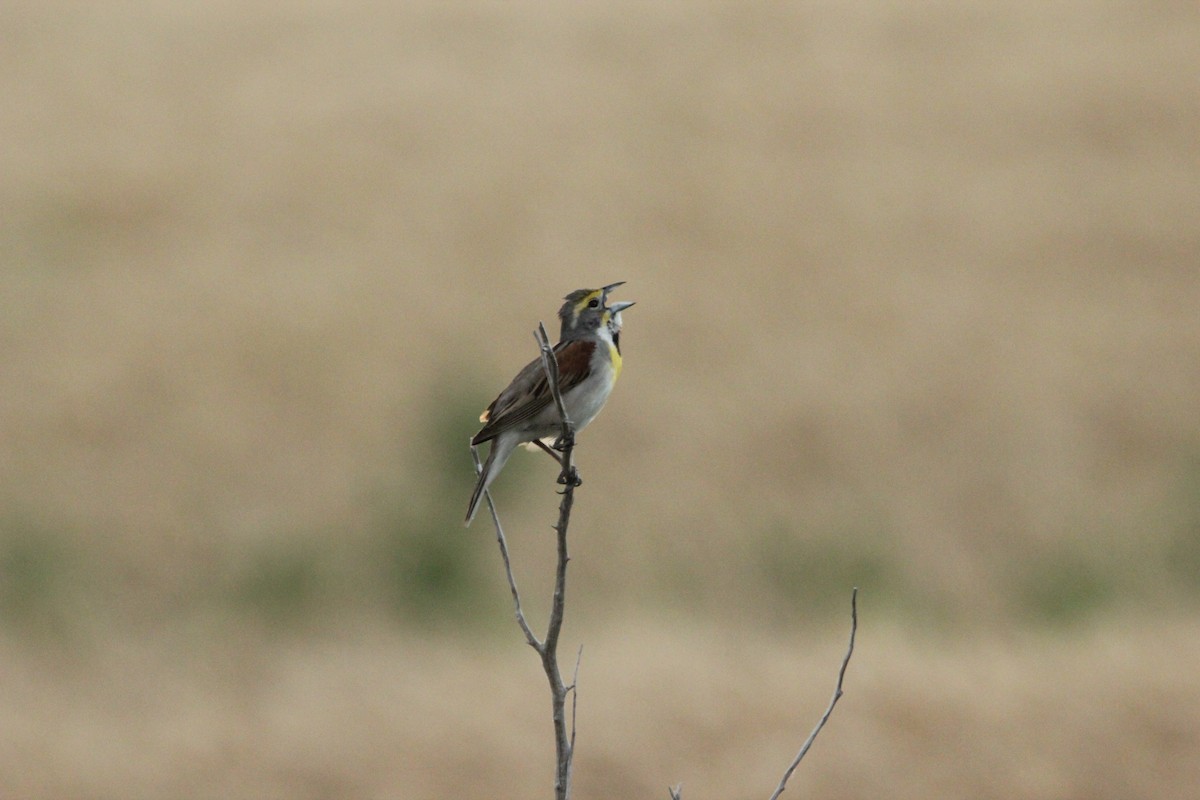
{"type": "Point", "coordinates": [570, 478]}
{"type": "Point", "coordinates": [563, 442]}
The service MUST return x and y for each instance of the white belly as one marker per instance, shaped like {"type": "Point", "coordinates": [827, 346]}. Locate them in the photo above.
{"type": "Point", "coordinates": [584, 402]}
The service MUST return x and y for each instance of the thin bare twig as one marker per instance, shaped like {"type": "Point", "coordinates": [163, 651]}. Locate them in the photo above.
{"type": "Point", "coordinates": [574, 690]}
{"type": "Point", "coordinates": [550, 364]}
{"type": "Point", "coordinates": [563, 744]}
{"type": "Point", "coordinates": [547, 648]}
{"type": "Point", "coordinates": [677, 790]}
{"type": "Point", "coordinates": [837, 695]}
{"type": "Point", "coordinates": [512, 581]}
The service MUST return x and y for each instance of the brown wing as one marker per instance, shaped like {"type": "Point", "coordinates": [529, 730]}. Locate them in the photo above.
{"type": "Point", "coordinates": [529, 392]}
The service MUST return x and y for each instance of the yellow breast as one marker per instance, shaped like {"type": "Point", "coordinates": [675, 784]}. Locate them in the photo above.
{"type": "Point", "coordinates": [615, 355]}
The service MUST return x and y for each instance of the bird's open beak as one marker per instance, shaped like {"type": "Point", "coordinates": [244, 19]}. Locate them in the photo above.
{"type": "Point", "coordinates": [617, 308]}
{"type": "Point", "coordinates": [604, 292]}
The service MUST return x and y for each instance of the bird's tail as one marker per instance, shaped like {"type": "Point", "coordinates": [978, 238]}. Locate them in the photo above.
{"type": "Point", "coordinates": [501, 450]}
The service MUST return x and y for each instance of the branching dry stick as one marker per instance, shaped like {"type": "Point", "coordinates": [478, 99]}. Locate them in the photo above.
{"type": "Point", "coordinates": [676, 791]}
{"type": "Point", "coordinates": [837, 695]}
{"type": "Point", "coordinates": [564, 747]}
{"type": "Point", "coordinates": [530, 638]}
{"type": "Point", "coordinates": [547, 648]}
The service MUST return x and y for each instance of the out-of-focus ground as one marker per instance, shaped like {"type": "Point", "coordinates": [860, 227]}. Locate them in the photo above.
{"type": "Point", "coordinates": [918, 310]}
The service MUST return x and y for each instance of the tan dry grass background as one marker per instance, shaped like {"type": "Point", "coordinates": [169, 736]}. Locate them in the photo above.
{"type": "Point", "coordinates": [918, 295]}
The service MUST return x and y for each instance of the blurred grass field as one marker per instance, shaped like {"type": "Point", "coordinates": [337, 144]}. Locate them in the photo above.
{"type": "Point", "coordinates": [918, 295]}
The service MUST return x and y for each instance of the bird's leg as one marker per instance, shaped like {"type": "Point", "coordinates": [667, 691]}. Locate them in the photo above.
{"type": "Point", "coordinates": [546, 449]}
{"type": "Point", "coordinates": [569, 475]}
{"type": "Point", "coordinates": [563, 442]}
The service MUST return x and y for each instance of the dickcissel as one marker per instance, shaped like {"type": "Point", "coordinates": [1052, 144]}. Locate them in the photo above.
{"type": "Point", "coordinates": [589, 360]}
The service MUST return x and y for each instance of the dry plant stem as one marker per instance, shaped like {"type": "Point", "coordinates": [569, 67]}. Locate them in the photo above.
{"type": "Point", "coordinates": [530, 638]}
{"type": "Point", "coordinates": [837, 695]}
{"type": "Point", "coordinates": [564, 751]}
{"type": "Point", "coordinates": [547, 648]}
{"type": "Point", "coordinates": [573, 689]}
{"type": "Point", "coordinates": [563, 740]}
{"type": "Point", "coordinates": [676, 791]}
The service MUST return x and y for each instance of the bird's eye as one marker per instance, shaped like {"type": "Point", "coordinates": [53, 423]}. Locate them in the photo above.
{"type": "Point", "coordinates": [593, 302]}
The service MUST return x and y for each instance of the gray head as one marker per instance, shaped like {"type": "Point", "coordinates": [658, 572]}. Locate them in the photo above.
{"type": "Point", "coordinates": [577, 307]}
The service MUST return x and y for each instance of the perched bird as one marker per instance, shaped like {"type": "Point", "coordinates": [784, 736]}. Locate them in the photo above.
{"type": "Point", "coordinates": [589, 361]}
